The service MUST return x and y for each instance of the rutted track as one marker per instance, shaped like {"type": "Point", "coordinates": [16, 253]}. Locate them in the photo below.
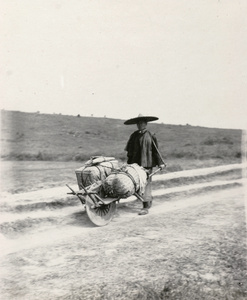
{"type": "Point", "coordinates": [48, 195]}
{"type": "Point", "coordinates": [51, 208]}
{"type": "Point", "coordinates": [50, 250]}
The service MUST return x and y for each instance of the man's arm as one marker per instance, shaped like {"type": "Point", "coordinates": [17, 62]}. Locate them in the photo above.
{"type": "Point", "coordinates": [158, 159]}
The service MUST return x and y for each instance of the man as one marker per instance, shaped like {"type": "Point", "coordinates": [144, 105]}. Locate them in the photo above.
{"type": "Point", "coordinates": [142, 148]}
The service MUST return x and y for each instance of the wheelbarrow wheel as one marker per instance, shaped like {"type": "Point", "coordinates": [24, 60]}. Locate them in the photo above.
{"type": "Point", "coordinates": [101, 215]}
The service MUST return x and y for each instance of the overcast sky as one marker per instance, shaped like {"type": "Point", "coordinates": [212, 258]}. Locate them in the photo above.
{"type": "Point", "coordinates": [182, 61]}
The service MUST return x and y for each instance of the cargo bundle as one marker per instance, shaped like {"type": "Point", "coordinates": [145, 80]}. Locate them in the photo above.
{"type": "Point", "coordinates": [97, 168]}
{"type": "Point", "coordinates": [126, 181]}
{"type": "Point", "coordinates": [102, 183]}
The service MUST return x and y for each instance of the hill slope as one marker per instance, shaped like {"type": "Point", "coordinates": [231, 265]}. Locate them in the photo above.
{"type": "Point", "coordinates": [35, 136]}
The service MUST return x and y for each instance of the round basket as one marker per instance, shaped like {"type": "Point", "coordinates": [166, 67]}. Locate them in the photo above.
{"type": "Point", "coordinates": [88, 175]}
{"type": "Point", "coordinates": [122, 184]}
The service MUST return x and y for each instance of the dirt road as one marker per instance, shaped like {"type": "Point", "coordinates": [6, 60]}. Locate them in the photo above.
{"type": "Point", "coordinates": [192, 245]}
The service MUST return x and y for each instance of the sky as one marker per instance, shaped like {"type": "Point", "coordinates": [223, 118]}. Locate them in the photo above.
{"type": "Point", "coordinates": [182, 61]}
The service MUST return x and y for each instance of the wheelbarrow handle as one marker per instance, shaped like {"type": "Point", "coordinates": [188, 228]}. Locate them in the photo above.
{"type": "Point", "coordinates": [159, 169]}
{"type": "Point", "coordinates": [77, 194]}
{"type": "Point", "coordinates": [89, 194]}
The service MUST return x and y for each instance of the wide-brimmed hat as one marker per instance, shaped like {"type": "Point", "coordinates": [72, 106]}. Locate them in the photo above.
{"type": "Point", "coordinates": [140, 118]}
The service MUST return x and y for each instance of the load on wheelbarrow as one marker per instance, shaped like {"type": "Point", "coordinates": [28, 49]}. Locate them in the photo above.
{"type": "Point", "coordinates": [102, 183]}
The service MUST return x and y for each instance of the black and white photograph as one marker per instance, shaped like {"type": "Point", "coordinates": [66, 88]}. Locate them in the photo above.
{"type": "Point", "coordinates": [123, 172]}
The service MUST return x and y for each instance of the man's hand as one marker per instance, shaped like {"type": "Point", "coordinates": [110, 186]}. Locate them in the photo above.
{"type": "Point", "coordinates": [162, 166]}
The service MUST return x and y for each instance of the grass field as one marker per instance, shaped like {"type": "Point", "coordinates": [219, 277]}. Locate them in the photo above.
{"type": "Point", "coordinates": [53, 137]}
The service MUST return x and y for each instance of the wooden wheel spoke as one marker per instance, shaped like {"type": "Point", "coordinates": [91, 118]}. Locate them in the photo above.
{"type": "Point", "coordinates": [102, 210]}
{"type": "Point", "coordinates": [101, 215]}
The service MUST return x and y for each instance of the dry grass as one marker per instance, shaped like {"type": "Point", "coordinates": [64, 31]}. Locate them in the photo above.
{"type": "Point", "coordinates": [227, 175]}
{"type": "Point", "coordinates": [34, 136]}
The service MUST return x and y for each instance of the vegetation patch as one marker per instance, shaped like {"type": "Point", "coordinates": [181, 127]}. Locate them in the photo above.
{"type": "Point", "coordinates": [227, 175]}
{"type": "Point", "coordinates": [218, 140]}
{"type": "Point", "coordinates": [44, 137]}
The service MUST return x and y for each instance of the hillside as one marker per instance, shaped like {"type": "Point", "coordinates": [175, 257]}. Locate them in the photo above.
{"type": "Point", "coordinates": [35, 136]}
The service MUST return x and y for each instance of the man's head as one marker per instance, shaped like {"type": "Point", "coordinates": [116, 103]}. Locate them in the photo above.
{"type": "Point", "coordinates": [141, 124]}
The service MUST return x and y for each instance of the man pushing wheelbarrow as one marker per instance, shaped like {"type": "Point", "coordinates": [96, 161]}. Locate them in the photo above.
{"type": "Point", "coordinates": [102, 182]}
{"type": "Point", "coordinates": [142, 149]}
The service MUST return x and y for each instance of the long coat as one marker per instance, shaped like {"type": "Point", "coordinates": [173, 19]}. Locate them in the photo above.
{"type": "Point", "coordinates": [141, 150]}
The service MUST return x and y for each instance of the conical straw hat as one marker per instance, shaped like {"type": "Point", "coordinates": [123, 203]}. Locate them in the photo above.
{"type": "Point", "coordinates": [140, 118]}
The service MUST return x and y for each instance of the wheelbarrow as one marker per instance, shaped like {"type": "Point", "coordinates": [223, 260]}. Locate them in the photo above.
{"type": "Point", "coordinates": [99, 207]}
